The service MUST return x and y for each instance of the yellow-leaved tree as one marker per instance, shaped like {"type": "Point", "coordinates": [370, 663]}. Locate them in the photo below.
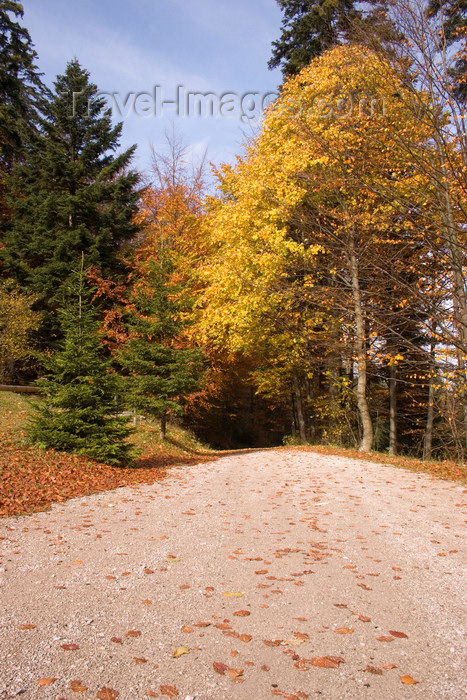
{"type": "Point", "coordinates": [310, 231]}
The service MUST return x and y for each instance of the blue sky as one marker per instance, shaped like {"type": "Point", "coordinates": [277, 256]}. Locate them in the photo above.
{"type": "Point", "coordinates": [131, 46]}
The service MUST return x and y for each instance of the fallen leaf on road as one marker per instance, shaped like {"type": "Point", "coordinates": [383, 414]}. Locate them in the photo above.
{"type": "Point", "coordinates": [107, 694]}
{"type": "Point", "coordinates": [327, 661]}
{"type": "Point", "coordinates": [117, 640]}
{"type": "Point", "coordinates": [344, 630]}
{"type": "Point", "coordinates": [242, 613]}
{"type": "Point", "coordinates": [384, 638]}
{"type": "Point", "coordinates": [401, 635]}
{"type": "Point", "coordinates": [408, 680]}
{"type": "Point", "coordinates": [245, 637]}
{"type": "Point", "coordinates": [235, 672]}
{"type": "Point", "coordinates": [169, 690]}
{"type": "Point", "coordinates": [46, 681]}
{"type": "Point", "coordinates": [233, 594]}
{"type": "Point", "coordinates": [180, 651]}
{"type": "Point", "coordinates": [185, 628]}
{"type": "Point", "coordinates": [219, 667]}
{"type": "Point", "coordinates": [388, 666]}
{"type": "Point", "coordinates": [297, 639]}
{"type": "Point", "coordinates": [374, 669]}
{"type": "Point", "coordinates": [139, 660]}
{"type": "Point", "coordinates": [364, 618]}
{"type": "Point", "coordinates": [133, 633]}
{"type": "Point", "coordinates": [77, 687]}
{"type": "Point", "coordinates": [26, 627]}
{"type": "Point", "coordinates": [70, 647]}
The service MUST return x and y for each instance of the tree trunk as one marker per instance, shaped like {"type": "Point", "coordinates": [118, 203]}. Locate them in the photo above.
{"type": "Point", "coordinates": [163, 425]}
{"type": "Point", "coordinates": [366, 442]}
{"type": "Point", "coordinates": [299, 406]}
{"type": "Point", "coordinates": [392, 410]}
{"type": "Point", "coordinates": [428, 441]}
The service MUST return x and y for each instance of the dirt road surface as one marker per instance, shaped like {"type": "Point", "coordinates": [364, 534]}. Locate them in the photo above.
{"type": "Point", "coordinates": [265, 574]}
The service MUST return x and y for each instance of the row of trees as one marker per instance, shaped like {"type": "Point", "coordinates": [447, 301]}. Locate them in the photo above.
{"type": "Point", "coordinates": [91, 293]}
{"type": "Point", "coordinates": [339, 249]}
{"type": "Point", "coordinates": [322, 285]}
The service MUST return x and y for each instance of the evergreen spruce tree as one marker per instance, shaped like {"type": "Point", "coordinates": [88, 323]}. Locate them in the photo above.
{"type": "Point", "coordinates": [310, 27]}
{"type": "Point", "coordinates": [80, 392]}
{"type": "Point", "coordinates": [159, 371]}
{"type": "Point", "coordinates": [74, 195]}
{"type": "Point", "coordinates": [453, 15]}
{"type": "Point", "coordinates": [21, 93]}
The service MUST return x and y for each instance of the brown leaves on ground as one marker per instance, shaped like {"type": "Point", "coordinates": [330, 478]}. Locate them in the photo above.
{"type": "Point", "coordinates": [222, 668]}
{"type": "Point", "coordinates": [327, 661]}
{"type": "Point", "coordinates": [442, 470]}
{"type": "Point", "coordinates": [169, 691]}
{"type": "Point", "coordinates": [107, 694]}
{"type": "Point", "coordinates": [219, 667]}
{"type": "Point", "coordinates": [77, 687]}
{"type": "Point", "coordinates": [32, 479]}
{"type": "Point", "coordinates": [46, 681]}
{"type": "Point", "coordinates": [408, 680]}
{"type": "Point", "coordinates": [319, 662]}
{"type": "Point", "coordinates": [374, 669]}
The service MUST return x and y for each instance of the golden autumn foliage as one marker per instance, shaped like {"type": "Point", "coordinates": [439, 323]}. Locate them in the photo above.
{"type": "Point", "coordinates": [17, 323]}
{"type": "Point", "coordinates": [322, 256]}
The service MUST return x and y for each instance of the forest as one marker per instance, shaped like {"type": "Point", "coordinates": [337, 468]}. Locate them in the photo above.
{"type": "Point", "coordinates": [316, 295]}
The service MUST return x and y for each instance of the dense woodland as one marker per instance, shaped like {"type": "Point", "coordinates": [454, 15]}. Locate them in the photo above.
{"type": "Point", "coordinates": [317, 295]}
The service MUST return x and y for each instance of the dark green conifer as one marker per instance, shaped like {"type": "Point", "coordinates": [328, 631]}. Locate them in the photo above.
{"type": "Point", "coordinates": [310, 27]}
{"type": "Point", "coordinates": [160, 372]}
{"type": "Point", "coordinates": [453, 16]}
{"type": "Point", "coordinates": [21, 93]}
{"type": "Point", "coordinates": [81, 394]}
{"type": "Point", "coordinates": [74, 195]}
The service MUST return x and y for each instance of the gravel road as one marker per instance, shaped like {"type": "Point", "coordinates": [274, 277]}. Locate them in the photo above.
{"type": "Point", "coordinates": [271, 573]}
